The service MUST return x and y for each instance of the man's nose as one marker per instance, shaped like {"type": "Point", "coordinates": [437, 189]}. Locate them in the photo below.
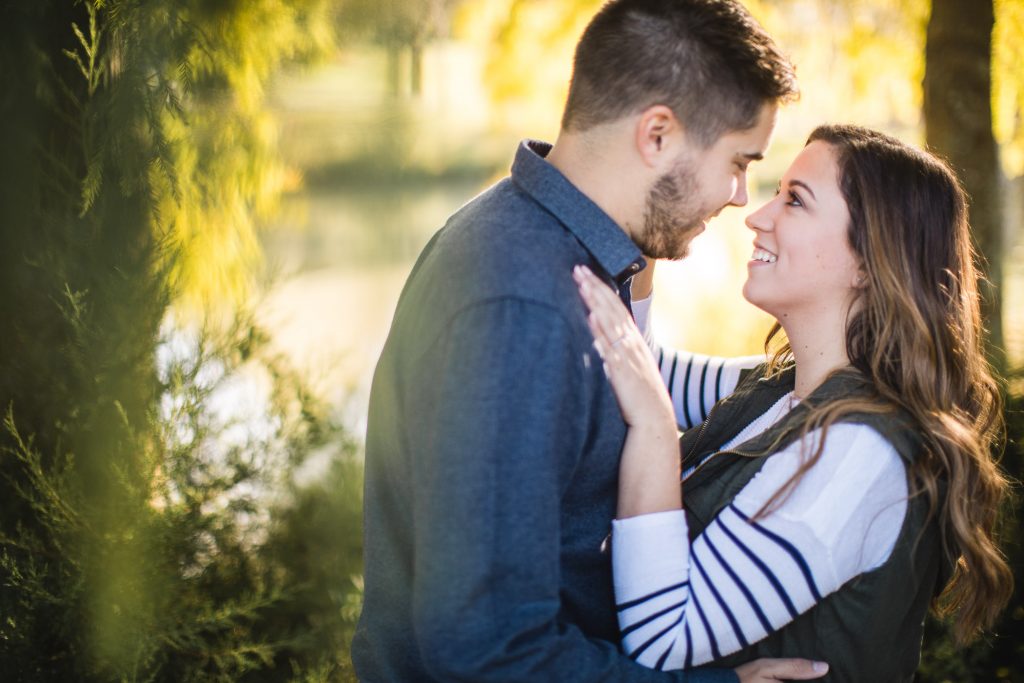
{"type": "Point", "coordinates": [739, 197]}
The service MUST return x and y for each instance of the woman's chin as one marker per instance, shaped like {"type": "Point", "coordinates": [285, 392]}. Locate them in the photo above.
{"type": "Point", "coordinates": [751, 295]}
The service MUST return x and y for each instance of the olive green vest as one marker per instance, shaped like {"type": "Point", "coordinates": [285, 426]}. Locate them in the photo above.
{"type": "Point", "coordinates": [870, 629]}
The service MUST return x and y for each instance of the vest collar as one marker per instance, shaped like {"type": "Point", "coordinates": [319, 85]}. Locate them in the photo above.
{"type": "Point", "coordinates": [751, 399]}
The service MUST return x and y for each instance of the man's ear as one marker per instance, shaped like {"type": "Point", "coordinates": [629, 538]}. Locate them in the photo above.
{"type": "Point", "coordinates": [658, 136]}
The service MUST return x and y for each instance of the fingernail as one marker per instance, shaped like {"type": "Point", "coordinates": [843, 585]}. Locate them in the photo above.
{"type": "Point", "coordinates": [820, 667]}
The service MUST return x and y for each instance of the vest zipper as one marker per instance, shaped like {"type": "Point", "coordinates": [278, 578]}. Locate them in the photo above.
{"type": "Point", "coordinates": [711, 457]}
{"type": "Point", "coordinates": [703, 426]}
{"type": "Point", "coordinates": [696, 442]}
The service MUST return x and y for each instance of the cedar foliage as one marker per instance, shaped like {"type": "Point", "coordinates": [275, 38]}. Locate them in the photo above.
{"type": "Point", "coordinates": [144, 534]}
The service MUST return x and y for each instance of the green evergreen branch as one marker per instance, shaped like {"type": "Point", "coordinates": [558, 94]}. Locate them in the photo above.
{"type": "Point", "coordinates": [58, 166]}
{"type": "Point", "coordinates": [73, 56]}
{"type": "Point", "coordinates": [91, 46]}
{"type": "Point", "coordinates": [66, 90]}
{"type": "Point", "coordinates": [42, 493]}
{"type": "Point", "coordinates": [126, 520]}
{"type": "Point", "coordinates": [92, 183]}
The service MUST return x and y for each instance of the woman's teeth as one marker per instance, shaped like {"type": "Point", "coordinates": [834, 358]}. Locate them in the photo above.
{"type": "Point", "coordinates": [766, 256]}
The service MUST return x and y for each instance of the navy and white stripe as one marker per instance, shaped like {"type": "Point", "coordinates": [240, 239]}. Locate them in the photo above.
{"type": "Point", "coordinates": [727, 603]}
{"type": "Point", "coordinates": [683, 605]}
{"type": "Point", "coordinates": [695, 381]}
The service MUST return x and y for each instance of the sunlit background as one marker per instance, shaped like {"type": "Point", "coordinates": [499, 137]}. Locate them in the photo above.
{"type": "Point", "coordinates": [383, 146]}
{"type": "Point", "coordinates": [209, 210]}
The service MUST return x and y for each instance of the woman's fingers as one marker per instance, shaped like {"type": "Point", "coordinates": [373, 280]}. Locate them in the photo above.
{"type": "Point", "coordinates": [611, 335]}
{"type": "Point", "coordinates": [628, 363]}
{"type": "Point", "coordinates": [609, 319]}
{"type": "Point", "coordinates": [765, 670]}
{"type": "Point", "coordinates": [601, 298]}
{"type": "Point", "coordinates": [598, 319]}
{"type": "Point", "coordinates": [602, 341]}
{"type": "Point", "coordinates": [616, 338]}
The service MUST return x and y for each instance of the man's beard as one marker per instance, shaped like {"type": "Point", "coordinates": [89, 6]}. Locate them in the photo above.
{"type": "Point", "coordinates": [672, 214]}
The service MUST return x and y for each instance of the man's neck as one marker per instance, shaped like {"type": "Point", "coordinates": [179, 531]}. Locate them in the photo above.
{"type": "Point", "coordinates": [594, 166]}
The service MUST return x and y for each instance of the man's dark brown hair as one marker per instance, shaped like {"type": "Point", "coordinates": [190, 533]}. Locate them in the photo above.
{"type": "Point", "coordinates": [707, 60]}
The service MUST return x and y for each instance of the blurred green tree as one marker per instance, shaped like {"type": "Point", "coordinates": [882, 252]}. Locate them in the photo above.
{"type": "Point", "coordinates": [139, 539]}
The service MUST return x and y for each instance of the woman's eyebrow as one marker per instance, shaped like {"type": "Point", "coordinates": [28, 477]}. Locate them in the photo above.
{"type": "Point", "coordinates": [805, 186]}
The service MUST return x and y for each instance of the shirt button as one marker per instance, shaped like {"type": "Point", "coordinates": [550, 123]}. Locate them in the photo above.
{"type": "Point", "coordinates": [634, 267]}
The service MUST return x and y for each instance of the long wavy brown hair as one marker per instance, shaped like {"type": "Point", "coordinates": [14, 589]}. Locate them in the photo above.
{"type": "Point", "coordinates": [914, 331]}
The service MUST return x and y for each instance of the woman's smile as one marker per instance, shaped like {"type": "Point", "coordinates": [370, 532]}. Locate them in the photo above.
{"type": "Point", "coordinates": [762, 257]}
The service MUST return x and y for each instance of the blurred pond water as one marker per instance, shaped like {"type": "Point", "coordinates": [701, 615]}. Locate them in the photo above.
{"type": "Point", "coordinates": [340, 263]}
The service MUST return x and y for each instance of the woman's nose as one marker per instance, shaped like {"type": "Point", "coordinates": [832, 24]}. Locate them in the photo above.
{"type": "Point", "coordinates": [761, 220]}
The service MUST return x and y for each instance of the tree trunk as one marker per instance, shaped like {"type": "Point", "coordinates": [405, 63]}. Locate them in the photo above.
{"type": "Point", "coordinates": [394, 69]}
{"type": "Point", "coordinates": [958, 123]}
{"type": "Point", "coordinates": [416, 68]}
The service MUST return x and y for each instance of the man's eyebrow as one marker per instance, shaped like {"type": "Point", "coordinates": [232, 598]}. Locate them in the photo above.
{"type": "Point", "coordinates": [752, 156]}
{"type": "Point", "coordinates": [805, 186]}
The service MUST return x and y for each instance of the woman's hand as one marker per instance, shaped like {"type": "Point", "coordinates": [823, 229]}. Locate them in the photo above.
{"type": "Point", "coordinates": [766, 670]}
{"type": "Point", "coordinates": [649, 469]}
{"type": "Point", "coordinates": [631, 369]}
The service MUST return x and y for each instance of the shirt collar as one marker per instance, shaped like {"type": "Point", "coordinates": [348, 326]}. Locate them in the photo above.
{"type": "Point", "coordinates": [597, 232]}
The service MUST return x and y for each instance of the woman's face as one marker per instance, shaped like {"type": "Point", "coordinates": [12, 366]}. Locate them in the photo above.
{"type": "Point", "coordinates": [802, 263]}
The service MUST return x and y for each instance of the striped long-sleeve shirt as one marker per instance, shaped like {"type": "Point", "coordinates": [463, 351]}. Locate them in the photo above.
{"type": "Point", "coordinates": [695, 381]}
{"type": "Point", "coordinates": [683, 605]}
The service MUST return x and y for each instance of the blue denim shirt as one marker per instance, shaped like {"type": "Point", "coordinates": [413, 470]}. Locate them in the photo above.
{"type": "Point", "coordinates": [492, 452]}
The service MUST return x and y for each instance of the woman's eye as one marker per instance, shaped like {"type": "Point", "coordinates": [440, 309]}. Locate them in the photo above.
{"type": "Point", "coordinates": [794, 199]}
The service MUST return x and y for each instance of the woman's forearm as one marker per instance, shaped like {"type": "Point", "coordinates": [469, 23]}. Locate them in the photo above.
{"type": "Point", "coordinates": [649, 471]}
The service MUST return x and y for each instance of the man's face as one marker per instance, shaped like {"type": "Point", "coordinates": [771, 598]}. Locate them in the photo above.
{"type": "Point", "coordinates": [702, 182]}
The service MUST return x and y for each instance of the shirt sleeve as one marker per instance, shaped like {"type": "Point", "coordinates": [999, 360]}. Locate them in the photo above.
{"type": "Point", "coordinates": [682, 605]}
{"type": "Point", "coordinates": [694, 381]}
{"type": "Point", "coordinates": [497, 445]}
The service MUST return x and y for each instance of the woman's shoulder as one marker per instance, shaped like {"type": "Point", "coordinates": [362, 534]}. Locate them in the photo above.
{"type": "Point", "coordinates": [894, 425]}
